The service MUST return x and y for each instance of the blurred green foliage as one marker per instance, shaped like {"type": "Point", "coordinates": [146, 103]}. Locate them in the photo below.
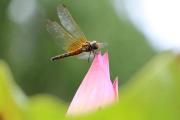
{"type": "Point", "coordinates": [12, 99]}
{"type": "Point", "coordinates": [27, 46]}
{"type": "Point", "coordinates": [44, 107]}
{"type": "Point", "coordinates": [14, 105]}
{"type": "Point", "coordinates": [152, 93]}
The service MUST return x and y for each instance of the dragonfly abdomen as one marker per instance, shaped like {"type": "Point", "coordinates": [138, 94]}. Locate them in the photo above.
{"type": "Point", "coordinates": [66, 55]}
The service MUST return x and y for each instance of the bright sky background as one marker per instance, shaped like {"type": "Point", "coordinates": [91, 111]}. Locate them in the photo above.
{"type": "Point", "coordinates": [159, 20]}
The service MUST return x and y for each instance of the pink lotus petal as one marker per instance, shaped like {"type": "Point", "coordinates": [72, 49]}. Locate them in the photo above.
{"type": "Point", "coordinates": [106, 62]}
{"type": "Point", "coordinates": [115, 86]}
{"type": "Point", "coordinates": [96, 90]}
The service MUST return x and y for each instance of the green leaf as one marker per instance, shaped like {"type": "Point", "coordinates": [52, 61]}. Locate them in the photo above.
{"type": "Point", "coordinates": [12, 100]}
{"type": "Point", "coordinates": [43, 107]}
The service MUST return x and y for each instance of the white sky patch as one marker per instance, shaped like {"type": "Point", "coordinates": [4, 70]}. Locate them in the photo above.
{"type": "Point", "coordinates": [159, 20]}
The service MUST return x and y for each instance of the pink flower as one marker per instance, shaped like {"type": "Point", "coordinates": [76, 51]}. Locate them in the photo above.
{"type": "Point", "coordinates": [96, 90]}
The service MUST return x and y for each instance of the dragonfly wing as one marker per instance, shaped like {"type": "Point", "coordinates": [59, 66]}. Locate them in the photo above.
{"type": "Point", "coordinates": [62, 37]}
{"type": "Point", "coordinates": [102, 45]}
{"type": "Point", "coordinates": [86, 56]}
{"type": "Point", "coordinates": [69, 23]}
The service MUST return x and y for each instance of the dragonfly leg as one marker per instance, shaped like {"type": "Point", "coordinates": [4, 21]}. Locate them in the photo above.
{"type": "Point", "coordinates": [89, 56]}
{"type": "Point", "coordinates": [94, 53]}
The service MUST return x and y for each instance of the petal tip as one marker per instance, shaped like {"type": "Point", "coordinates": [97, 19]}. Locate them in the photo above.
{"type": "Point", "coordinates": [105, 57]}
{"type": "Point", "coordinates": [105, 54]}
{"type": "Point", "coordinates": [115, 86]}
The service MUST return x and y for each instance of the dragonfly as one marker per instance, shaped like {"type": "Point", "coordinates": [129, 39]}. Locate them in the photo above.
{"type": "Point", "coordinates": [70, 36]}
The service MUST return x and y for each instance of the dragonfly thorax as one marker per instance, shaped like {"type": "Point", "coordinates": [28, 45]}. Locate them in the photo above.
{"type": "Point", "coordinates": [90, 46]}
{"type": "Point", "coordinates": [94, 45]}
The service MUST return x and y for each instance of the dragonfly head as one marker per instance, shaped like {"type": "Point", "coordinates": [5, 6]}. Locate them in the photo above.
{"type": "Point", "coordinates": [94, 45]}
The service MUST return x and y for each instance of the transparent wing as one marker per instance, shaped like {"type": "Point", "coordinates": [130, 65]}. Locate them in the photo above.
{"type": "Point", "coordinates": [68, 22]}
{"type": "Point", "coordinates": [66, 40]}
{"type": "Point", "coordinates": [86, 56]}
{"type": "Point", "coordinates": [102, 45]}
